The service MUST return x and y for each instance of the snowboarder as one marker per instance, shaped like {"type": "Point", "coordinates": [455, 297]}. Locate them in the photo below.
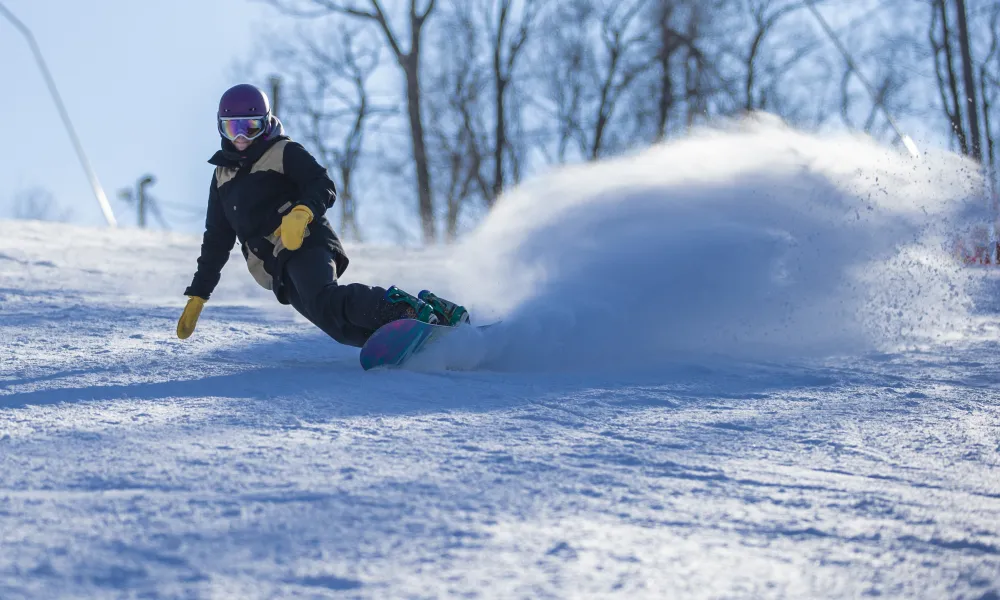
{"type": "Point", "coordinates": [269, 193]}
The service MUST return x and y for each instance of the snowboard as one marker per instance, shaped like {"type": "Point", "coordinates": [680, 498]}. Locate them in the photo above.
{"type": "Point", "coordinates": [407, 341]}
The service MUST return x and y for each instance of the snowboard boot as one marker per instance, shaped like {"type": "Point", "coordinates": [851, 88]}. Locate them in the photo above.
{"type": "Point", "coordinates": [447, 312]}
{"type": "Point", "coordinates": [402, 305]}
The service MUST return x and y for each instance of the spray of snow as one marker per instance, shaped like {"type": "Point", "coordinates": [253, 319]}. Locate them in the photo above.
{"type": "Point", "coordinates": [751, 240]}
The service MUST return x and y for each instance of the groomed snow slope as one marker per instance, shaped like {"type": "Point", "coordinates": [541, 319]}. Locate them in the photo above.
{"type": "Point", "coordinates": [739, 365]}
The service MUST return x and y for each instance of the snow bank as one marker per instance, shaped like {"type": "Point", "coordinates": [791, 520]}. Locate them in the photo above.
{"type": "Point", "coordinates": [752, 241]}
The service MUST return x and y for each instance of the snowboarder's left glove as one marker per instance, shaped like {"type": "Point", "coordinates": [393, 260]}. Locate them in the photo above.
{"type": "Point", "coordinates": [189, 318]}
{"type": "Point", "coordinates": [293, 226]}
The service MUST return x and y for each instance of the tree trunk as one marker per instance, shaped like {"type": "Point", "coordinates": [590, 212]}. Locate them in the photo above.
{"type": "Point", "coordinates": [410, 63]}
{"type": "Point", "coordinates": [500, 86]}
{"type": "Point", "coordinates": [970, 83]}
{"type": "Point", "coordinates": [348, 214]}
{"type": "Point", "coordinates": [420, 159]}
{"type": "Point", "coordinates": [500, 143]}
{"type": "Point", "coordinates": [952, 79]}
{"type": "Point", "coordinates": [692, 72]}
{"type": "Point", "coordinates": [668, 46]}
{"type": "Point", "coordinates": [748, 102]}
{"type": "Point", "coordinates": [603, 110]}
{"type": "Point", "coordinates": [991, 157]}
{"type": "Point", "coordinates": [666, 101]}
{"type": "Point", "coordinates": [454, 197]}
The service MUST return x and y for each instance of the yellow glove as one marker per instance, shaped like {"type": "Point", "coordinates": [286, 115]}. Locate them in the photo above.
{"type": "Point", "coordinates": [189, 318]}
{"type": "Point", "coordinates": [293, 226]}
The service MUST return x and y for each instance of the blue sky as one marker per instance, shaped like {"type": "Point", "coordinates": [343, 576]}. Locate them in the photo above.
{"type": "Point", "coordinates": [141, 81]}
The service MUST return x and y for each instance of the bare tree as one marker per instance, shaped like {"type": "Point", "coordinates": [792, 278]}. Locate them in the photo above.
{"type": "Point", "coordinates": [561, 81]}
{"type": "Point", "coordinates": [456, 107]}
{"type": "Point", "coordinates": [331, 101]}
{"type": "Point", "coordinates": [596, 54]}
{"type": "Point", "coordinates": [888, 82]}
{"type": "Point", "coordinates": [409, 62]}
{"type": "Point", "coordinates": [621, 37]}
{"type": "Point", "coordinates": [38, 204]}
{"type": "Point", "coordinates": [668, 42]}
{"type": "Point", "coordinates": [508, 85]}
{"type": "Point", "coordinates": [989, 81]}
{"type": "Point", "coordinates": [694, 71]}
{"type": "Point", "coordinates": [508, 36]}
{"type": "Point", "coordinates": [941, 44]}
{"type": "Point", "coordinates": [672, 40]}
{"type": "Point", "coordinates": [972, 106]}
{"type": "Point", "coordinates": [765, 15]}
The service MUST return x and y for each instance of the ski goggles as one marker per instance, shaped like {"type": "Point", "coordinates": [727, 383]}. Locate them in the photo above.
{"type": "Point", "coordinates": [249, 127]}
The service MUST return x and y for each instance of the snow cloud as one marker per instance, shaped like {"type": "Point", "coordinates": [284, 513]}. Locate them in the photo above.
{"type": "Point", "coordinates": [752, 240]}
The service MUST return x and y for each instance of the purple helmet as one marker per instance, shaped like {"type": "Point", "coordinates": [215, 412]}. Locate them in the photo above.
{"type": "Point", "coordinates": [244, 110]}
{"type": "Point", "coordinates": [244, 100]}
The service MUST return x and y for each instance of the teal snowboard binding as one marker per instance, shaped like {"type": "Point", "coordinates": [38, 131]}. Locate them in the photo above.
{"type": "Point", "coordinates": [415, 307]}
{"type": "Point", "coordinates": [447, 312]}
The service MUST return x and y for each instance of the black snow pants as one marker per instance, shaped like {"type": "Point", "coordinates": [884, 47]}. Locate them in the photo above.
{"type": "Point", "coordinates": [349, 313]}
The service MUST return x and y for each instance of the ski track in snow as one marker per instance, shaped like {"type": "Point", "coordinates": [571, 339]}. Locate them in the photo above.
{"type": "Point", "coordinates": [257, 460]}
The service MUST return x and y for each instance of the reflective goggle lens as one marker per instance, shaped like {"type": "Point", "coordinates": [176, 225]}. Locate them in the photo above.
{"type": "Point", "coordinates": [249, 128]}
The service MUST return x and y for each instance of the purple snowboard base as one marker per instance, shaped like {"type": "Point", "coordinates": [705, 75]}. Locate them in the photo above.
{"type": "Point", "coordinates": [396, 342]}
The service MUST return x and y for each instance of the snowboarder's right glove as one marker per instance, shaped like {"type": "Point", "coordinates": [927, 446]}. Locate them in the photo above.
{"type": "Point", "coordinates": [189, 318]}
{"type": "Point", "coordinates": [293, 226]}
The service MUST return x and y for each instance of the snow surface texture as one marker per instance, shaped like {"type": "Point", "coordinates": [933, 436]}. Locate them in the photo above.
{"type": "Point", "coordinates": [739, 365]}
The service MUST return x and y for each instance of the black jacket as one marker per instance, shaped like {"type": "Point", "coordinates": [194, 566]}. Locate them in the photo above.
{"type": "Point", "coordinates": [250, 194]}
